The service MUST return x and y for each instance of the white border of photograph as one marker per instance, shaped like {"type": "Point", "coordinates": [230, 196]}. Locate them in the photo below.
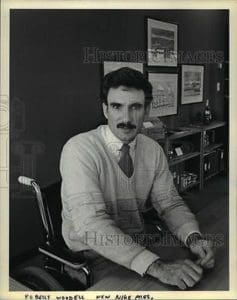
{"type": "Point", "coordinates": [156, 57]}
{"type": "Point", "coordinates": [188, 96]}
{"type": "Point", "coordinates": [110, 66]}
{"type": "Point", "coordinates": [165, 92]}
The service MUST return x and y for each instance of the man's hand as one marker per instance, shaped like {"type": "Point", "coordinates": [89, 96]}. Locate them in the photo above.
{"type": "Point", "coordinates": [181, 273]}
{"type": "Point", "coordinates": [203, 249]}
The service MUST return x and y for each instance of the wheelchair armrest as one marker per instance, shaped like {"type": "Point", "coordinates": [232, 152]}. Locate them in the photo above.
{"type": "Point", "coordinates": [75, 260]}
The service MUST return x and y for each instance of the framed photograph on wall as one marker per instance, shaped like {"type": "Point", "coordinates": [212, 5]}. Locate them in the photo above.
{"type": "Point", "coordinates": [110, 66]}
{"type": "Point", "coordinates": [192, 84]}
{"type": "Point", "coordinates": [162, 43]}
{"type": "Point", "coordinates": [164, 101]}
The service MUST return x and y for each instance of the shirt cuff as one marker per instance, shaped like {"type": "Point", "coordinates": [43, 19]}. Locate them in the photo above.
{"type": "Point", "coordinates": [185, 230]}
{"type": "Point", "coordinates": [142, 261]}
{"type": "Point", "coordinates": [199, 236]}
{"type": "Point", "coordinates": [191, 232]}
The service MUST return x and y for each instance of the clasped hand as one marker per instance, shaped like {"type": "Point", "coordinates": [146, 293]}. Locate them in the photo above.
{"type": "Point", "coordinates": [181, 273]}
{"type": "Point", "coordinates": [185, 273]}
{"type": "Point", "coordinates": [203, 250]}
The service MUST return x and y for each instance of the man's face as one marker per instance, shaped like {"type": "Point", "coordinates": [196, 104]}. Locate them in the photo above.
{"type": "Point", "coordinates": [125, 112]}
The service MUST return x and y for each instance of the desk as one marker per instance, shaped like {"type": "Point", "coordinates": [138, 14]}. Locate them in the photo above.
{"type": "Point", "coordinates": [117, 278]}
{"type": "Point", "coordinates": [213, 219]}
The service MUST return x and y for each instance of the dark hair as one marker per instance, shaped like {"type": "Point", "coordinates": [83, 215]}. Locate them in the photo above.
{"type": "Point", "coordinates": [127, 77]}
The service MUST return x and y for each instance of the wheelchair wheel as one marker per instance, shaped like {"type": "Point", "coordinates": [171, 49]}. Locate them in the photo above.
{"type": "Point", "coordinates": [38, 279]}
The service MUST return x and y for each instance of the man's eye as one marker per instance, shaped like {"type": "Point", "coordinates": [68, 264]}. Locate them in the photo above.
{"type": "Point", "coordinates": [136, 107]}
{"type": "Point", "coordinates": [115, 106]}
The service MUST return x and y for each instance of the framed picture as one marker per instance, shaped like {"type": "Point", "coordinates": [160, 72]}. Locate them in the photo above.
{"type": "Point", "coordinates": [164, 101]}
{"type": "Point", "coordinates": [110, 66]}
{"type": "Point", "coordinates": [162, 43]}
{"type": "Point", "coordinates": [192, 84]}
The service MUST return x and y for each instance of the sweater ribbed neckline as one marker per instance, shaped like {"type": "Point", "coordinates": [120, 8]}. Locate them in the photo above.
{"type": "Point", "coordinates": [106, 149]}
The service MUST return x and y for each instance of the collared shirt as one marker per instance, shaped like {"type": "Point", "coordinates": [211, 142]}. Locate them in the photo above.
{"type": "Point", "coordinates": [114, 144]}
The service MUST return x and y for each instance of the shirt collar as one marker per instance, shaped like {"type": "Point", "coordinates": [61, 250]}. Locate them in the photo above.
{"type": "Point", "coordinates": [113, 142]}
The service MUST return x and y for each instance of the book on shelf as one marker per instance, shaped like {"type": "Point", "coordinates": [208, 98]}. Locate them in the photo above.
{"type": "Point", "coordinates": [213, 162]}
{"type": "Point", "coordinates": [183, 179]}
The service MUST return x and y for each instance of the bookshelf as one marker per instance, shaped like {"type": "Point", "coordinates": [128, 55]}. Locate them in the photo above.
{"type": "Point", "coordinates": [195, 153]}
{"type": "Point", "coordinates": [182, 147]}
{"type": "Point", "coordinates": [213, 153]}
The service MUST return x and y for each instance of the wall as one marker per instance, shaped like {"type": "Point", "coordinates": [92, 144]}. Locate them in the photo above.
{"type": "Point", "coordinates": [54, 95]}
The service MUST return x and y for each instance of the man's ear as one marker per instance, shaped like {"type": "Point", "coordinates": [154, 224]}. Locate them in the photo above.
{"type": "Point", "coordinates": [105, 110]}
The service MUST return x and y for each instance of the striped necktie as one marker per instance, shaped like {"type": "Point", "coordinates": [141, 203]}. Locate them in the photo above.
{"type": "Point", "coordinates": [125, 161]}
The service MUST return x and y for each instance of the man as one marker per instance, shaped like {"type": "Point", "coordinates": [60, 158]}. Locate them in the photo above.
{"type": "Point", "coordinates": [108, 175]}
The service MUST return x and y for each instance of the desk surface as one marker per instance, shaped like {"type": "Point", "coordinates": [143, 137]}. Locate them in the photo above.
{"type": "Point", "coordinates": [117, 278]}
{"type": "Point", "coordinates": [213, 220]}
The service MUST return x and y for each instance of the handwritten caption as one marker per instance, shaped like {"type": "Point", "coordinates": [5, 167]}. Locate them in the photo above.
{"type": "Point", "coordinates": [83, 297]}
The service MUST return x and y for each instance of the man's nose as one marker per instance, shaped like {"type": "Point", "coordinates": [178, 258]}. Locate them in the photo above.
{"type": "Point", "coordinates": [127, 116]}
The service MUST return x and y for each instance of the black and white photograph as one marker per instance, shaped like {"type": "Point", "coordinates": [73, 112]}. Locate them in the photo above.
{"type": "Point", "coordinates": [111, 184]}
{"type": "Point", "coordinates": [192, 84]}
{"type": "Point", "coordinates": [164, 94]}
{"type": "Point", "coordinates": [162, 40]}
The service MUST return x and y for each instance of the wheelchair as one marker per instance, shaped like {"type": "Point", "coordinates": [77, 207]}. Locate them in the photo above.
{"type": "Point", "coordinates": [57, 257]}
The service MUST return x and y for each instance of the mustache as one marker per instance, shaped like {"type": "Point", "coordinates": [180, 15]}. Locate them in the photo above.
{"type": "Point", "coordinates": [127, 125]}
